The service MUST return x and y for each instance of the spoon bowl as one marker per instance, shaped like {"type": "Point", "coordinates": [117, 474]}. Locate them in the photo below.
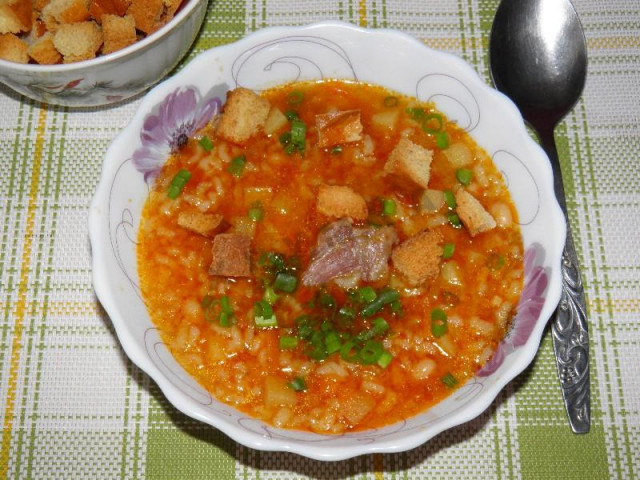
{"type": "Point", "coordinates": [538, 58]}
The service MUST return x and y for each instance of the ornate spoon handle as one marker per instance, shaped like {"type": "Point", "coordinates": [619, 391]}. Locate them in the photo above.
{"type": "Point", "coordinates": [571, 342]}
{"type": "Point", "coordinates": [569, 325]}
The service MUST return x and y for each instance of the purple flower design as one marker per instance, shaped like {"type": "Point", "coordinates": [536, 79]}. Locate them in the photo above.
{"type": "Point", "coordinates": [180, 114]}
{"type": "Point", "coordinates": [527, 313]}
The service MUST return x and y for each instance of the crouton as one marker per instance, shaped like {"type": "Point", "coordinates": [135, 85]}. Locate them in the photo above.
{"type": "Point", "coordinates": [472, 214]}
{"type": "Point", "coordinates": [205, 224]}
{"type": "Point", "coordinates": [43, 51]}
{"type": "Point", "coordinates": [244, 114]}
{"type": "Point", "coordinates": [231, 255]}
{"type": "Point", "coordinates": [411, 162]}
{"type": "Point", "coordinates": [98, 8]}
{"type": "Point", "coordinates": [13, 49]}
{"type": "Point", "coordinates": [67, 11]}
{"type": "Point", "coordinates": [337, 201]}
{"type": "Point", "coordinates": [418, 258]}
{"type": "Point", "coordinates": [16, 16]}
{"type": "Point", "coordinates": [118, 32]}
{"type": "Point", "coordinates": [337, 128]}
{"type": "Point", "coordinates": [78, 41]}
{"type": "Point", "coordinates": [146, 14]}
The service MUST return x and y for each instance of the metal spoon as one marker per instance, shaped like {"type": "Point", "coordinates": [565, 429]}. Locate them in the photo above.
{"type": "Point", "coordinates": [538, 58]}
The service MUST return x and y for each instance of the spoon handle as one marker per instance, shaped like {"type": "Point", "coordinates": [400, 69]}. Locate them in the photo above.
{"type": "Point", "coordinates": [569, 326]}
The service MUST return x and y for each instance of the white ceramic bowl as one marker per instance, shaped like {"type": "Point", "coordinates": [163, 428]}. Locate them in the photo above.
{"type": "Point", "coordinates": [325, 50]}
{"type": "Point", "coordinates": [114, 77]}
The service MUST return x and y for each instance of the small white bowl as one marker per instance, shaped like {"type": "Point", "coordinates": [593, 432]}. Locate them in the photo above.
{"type": "Point", "coordinates": [114, 77]}
{"type": "Point", "coordinates": [325, 50]}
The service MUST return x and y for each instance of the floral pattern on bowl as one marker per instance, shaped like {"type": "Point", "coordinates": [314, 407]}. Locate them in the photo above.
{"type": "Point", "coordinates": [326, 50]}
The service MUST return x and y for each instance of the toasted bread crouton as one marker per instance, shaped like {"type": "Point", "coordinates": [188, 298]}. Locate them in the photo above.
{"type": "Point", "coordinates": [337, 128]}
{"type": "Point", "coordinates": [205, 224]}
{"type": "Point", "coordinates": [410, 161]}
{"type": "Point", "coordinates": [472, 214]}
{"type": "Point", "coordinates": [16, 16]}
{"type": "Point", "coordinates": [244, 114]}
{"type": "Point", "coordinates": [146, 13]}
{"type": "Point", "coordinates": [98, 8]}
{"type": "Point", "coordinates": [67, 11]}
{"type": "Point", "coordinates": [231, 255]}
{"type": "Point", "coordinates": [78, 41]}
{"type": "Point", "coordinates": [337, 201]}
{"type": "Point", "coordinates": [118, 32]}
{"type": "Point", "coordinates": [43, 51]}
{"type": "Point", "coordinates": [418, 258]}
{"type": "Point", "coordinates": [13, 49]}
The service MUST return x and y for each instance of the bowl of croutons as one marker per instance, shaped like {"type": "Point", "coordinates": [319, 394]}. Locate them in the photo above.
{"type": "Point", "coordinates": [82, 53]}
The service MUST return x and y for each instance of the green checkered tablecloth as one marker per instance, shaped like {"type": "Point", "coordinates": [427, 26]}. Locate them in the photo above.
{"type": "Point", "coordinates": [73, 406]}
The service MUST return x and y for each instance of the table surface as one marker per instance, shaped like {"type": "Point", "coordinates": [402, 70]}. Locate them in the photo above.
{"type": "Point", "coordinates": [73, 406]}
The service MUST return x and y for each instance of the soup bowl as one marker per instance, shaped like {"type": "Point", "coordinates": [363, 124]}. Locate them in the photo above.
{"type": "Point", "coordinates": [325, 50]}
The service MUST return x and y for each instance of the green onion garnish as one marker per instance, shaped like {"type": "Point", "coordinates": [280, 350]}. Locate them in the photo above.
{"type": "Point", "coordinates": [291, 115]}
{"type": "Point", "coordinates": [270, 296]}
{"type": "Point", "coordinates": [367, 294]}
{"type": "Point", "coordinates": [256, 212]}
{"type": "Point", "coordinates": [298, 384]}
{"type": "Point", "coordinates": [236, 166]}
{"type": "Point", "coordinates": [295, 97]}
{"type": "Point", "coordinates": [177, 184]}
{"type": "Point", "coordinates": [288, 343]}
{"type": "Point", "coordinates": [263, 315]}
{"type": "Point", "coordinates": [448, 249]}
{"type": "Point", "coordinates": [454, 219]}
{"type": "Point", "coordinates": [388, 207]}
{"type": "Point", "coordinates": [449, 380]}
{"type": "Point", "coordinates": [439, 322]}
{"type": "Point", "coordinates": [285, 282]}
{"type": "Point", "coordinates": [442, 140]}
{"type": "Point", "coordinates": [450, 199]}
{"type": "Point", "coordinates": [390, 101]}
{"type": "Point", "coordinates": [495, 261]}
{"type": "Point", "coordinates": [337, 150]}
{"type": "Point", "coordinates": [347, 313]}
{"type": "Point", "coordinates": [332, 342]}
{"type": "Point", "coordinates": [385, 359]}
{"type": "Point", "coordinates": [433, 123]}
{"type": "Point", "coordinates": [370, 352]}
{"type": "Point", "coordinates": [348, 352]}
{"type": "Point", "coordinates": [385, 297]}
{"type": "Point", "coordinates": [206, 144]}
{"type": "Point", "coordinates": [298, 133]}
{"type": "Point", "coordinates": [464, 176]}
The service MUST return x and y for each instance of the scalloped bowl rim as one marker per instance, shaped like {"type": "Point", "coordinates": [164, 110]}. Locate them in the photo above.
{"type": "Point", "coordinates": [315, 450]}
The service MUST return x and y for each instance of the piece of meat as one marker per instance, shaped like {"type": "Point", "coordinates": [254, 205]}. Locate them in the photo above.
{"type": "Point", "coordinates": [342, 249]}
{"type": "Point", "coordinates": [231, 255]}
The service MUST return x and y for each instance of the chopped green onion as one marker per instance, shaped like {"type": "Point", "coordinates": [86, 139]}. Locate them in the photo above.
{"type": "Point", "coordinates": [285, 138]}
{"type": "Point", "coordinates": [236, 166]}
{"type": "Point", "coordinates": [454, 219]}
{"type": "Point", "coordinates": [442, 140]}
{"type": "Point", "coordinates": [417, 113]}
{"type": "Point", "coordinates": [263, 315]}
{"type": "Point", "coordinates": [367, 294]}
{"type": "Point", "coordinates": [390, 101]}
{"type": "Point", "coordinates": [433, 123]}
{"type": "Point", "coordinates": [208, 301]}
{"type": "Point", "coordinates": [298, 133]}
{"type": "Point", "coordinates": [326, 300]}
{"type": "Point", "coordinates": [295, 97]}
{"type": "Point", "coordinates": [256, 212]}
{"type": "Point", "coordinates": [464, 176]}
{"type": "Point", "coordinates": [388, 207]}
{"type": "Point", "coordinates": [439, 322]}
{"type": "Point", "coordinates": [370, 352]}
{"type": "Point", "coordinates": [385, 297]}
{"type": "Point", "coordinates": [337, 150]}
{"type": "Point", "coordinates": [291, 115]}
{"type": "Point", "coordinates": [318, 353]}
{"type": "Point", "coordinates": [450, 199]}
{"type": "Point", "coordinates": [225, 304]}
{"type": "Point", "coordinates": [288, 343]}
{"type": "Point", "coordinates": [206, 143]}
{"type": "Point", "coordinates": [285, 282]}
{"type": "Point", "coordinates": [332, 341]}
{"type": "Point", "coordinates": [495, 261]}
{"type": "Point", "coordinates": [385, 359]}
{"type": "Point", "coordinates": [270, 296]}
{"type": "Point", "coordinates": [178, 183]}
{"type": "Point", "coordinates": [449, 380]}
{"type": "Point", "coordinates": [347, 313]}
{"type": "Point", "coordinates": [379, 326]}
{"type": "Point", "coordinates": [226, 319]}
{"type": "Point", "coordinates": [349, 352]}
{"type": "Point", "coordinates": [298, 384]}
{"type": "Point", "coordinates": [448, 249]}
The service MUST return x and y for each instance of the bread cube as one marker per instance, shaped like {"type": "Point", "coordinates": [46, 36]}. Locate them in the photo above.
{"type": "Point", "coordinates": [472, 214]}
{"type": "Point", "coordinates": [418, 258]}
{"type": "Point", "coordinates": [410, 161]}
{"type": "Point", "coordinates": [338, 201]}
{"type": "Point", "coordinates": [243, 115]}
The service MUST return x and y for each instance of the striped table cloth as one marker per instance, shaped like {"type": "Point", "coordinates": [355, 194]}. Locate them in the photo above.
{"type": "Point", "coordinates": [73, 406]}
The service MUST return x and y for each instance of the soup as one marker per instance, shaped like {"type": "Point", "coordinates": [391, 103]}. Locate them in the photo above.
{"type": "Point", "coordinates": [330, 256]}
